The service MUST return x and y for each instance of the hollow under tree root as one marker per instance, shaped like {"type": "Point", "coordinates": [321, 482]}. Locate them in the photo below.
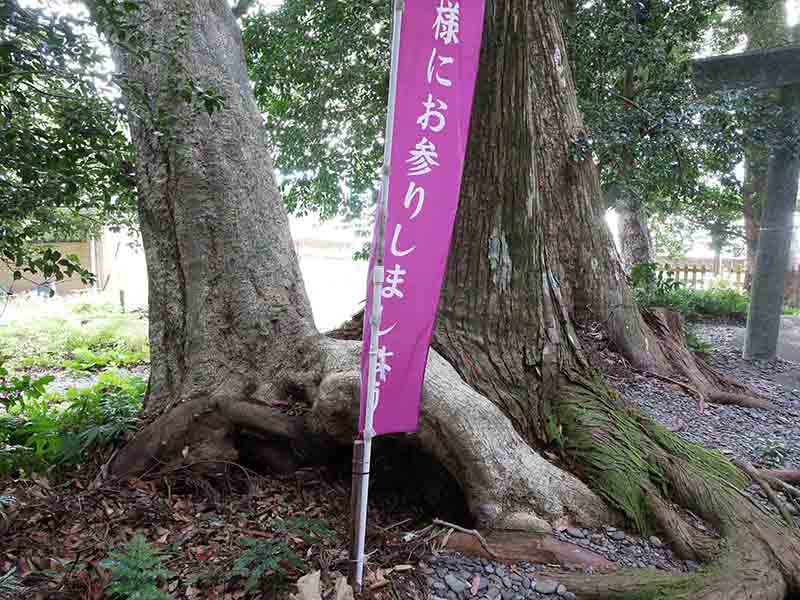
{"type": "Point", "coordinates": [506, 484]}
{"type": "Point", "coordinates": [643, 469]}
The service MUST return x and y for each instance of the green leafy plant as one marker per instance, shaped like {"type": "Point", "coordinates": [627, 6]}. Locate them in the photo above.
{"type": "Point", "coordinates": [264, 557]}
{"type": "Point", "coordinates": [84, 359]}
{"type": "Point", "coordinates": [14, 389]}
{"type": "Point", "coordinates": [136, 571]}
{"type": "Point", "coordinates": [651, 283]}
{"type": "Point", "coordinates": [54, 429]}
{"type": "Point", "coordinates": [655, 286]}
{"type": "Point", "coordinates": [108, 339]}
{"type": "Point", "coordinates": [695, 344]}
{"type": "Point", "coordinates": [772, 455]}
{"type": "Point", "coordinates": [310, 530]}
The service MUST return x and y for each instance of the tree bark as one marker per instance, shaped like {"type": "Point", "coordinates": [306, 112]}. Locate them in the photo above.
{"type": "Point", "coordinates": [232, 332]}
{"type": "Point", "coordinates": [634, 232]}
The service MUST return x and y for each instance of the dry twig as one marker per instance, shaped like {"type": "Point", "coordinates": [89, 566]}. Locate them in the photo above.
{"type": "Point", "coordinates": [768, 491]}
{"type": "Point", "coordinates": [472, 532]}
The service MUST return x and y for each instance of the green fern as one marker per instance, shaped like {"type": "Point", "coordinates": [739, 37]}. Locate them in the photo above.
{"type": "Point", "coordinates": [310, 530]}
{"type": "Point", "coordinates": [136, 571]}
{"type": "Point", "coordinates": [264, 557]}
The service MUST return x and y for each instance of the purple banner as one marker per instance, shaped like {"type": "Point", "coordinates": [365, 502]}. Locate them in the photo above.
{"type": "Point", "coordinates": [437, 65]}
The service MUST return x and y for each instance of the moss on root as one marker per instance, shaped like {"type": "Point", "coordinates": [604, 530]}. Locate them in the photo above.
{"type": "Point", "coordinates": [644, 470]}
{"type": "Point", "coordinates": [616, 449]}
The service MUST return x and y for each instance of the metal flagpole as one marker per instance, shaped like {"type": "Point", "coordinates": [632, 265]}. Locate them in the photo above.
{"type": "Point", "coordinates": [362, 449]}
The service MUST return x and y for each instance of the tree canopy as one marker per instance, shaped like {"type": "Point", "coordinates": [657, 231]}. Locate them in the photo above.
{"type": "Point", "coordinates": [320, 78]}
{"type": "Point", "coordinates": [67, 165]}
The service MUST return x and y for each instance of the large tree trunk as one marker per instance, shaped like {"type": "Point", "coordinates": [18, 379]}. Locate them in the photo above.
{"type": "Point", "coordinates": [232, 333]}
{"type": "Point", "coordinates": [634, 233]}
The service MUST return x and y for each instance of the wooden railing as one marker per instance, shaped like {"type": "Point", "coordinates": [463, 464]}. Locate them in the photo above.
{"type": "Point", "coordinates": [700, 275]}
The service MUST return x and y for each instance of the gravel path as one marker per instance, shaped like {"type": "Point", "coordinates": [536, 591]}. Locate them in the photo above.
{"type": "Point", "coordinates": [766, 438]}
{"type": "Point", "coordinates": [65, 379]}
{"type": "Point", "coordinates": [770, 438]}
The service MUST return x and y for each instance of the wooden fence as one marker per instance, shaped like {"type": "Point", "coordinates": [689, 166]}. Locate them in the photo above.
{"type": "Point", "coordinates": [699, 275]}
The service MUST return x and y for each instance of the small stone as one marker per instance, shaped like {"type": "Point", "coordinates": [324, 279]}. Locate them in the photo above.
{"type": "Point", "coordinates": [596, 538]}
{"type": "Point", "coordinates": [454, 583]}
{"type": "Point", "coordinates": [655, 541]}
{"type": "Point", "coordinates": [575, 532]}
{"type": "Point", "coordinates": [508, 594]}
{"type": "Point", "coordinates": [545, 586]}
{"type": "Point", "coordinates": [506, 582]}
{"type": "Point", "coordinates": [561, 590]}
{"type": "Point", "coordinates": [501, 572]}
{"type": "Point", "coordinates": [493, 593]}
{"type": "Point", "coordinates": [569, 596]}
{"type": "Point", "coordinates": [489, 568]}
{"type": "Point", "coordinates": [617, 535]}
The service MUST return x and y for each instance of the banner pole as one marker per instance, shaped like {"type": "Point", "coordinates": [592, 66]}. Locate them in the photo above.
{"type": "Point", "coordinates": [362, 448]}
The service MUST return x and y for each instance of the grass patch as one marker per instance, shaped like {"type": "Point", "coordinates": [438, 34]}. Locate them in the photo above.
{"type": "Point", "coordinates": [42, 431]}
{"type": "Point", "coordinates": [80, 344]}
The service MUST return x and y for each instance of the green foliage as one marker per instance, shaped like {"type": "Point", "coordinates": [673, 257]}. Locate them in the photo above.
{"type": "Point", "coordinates": [308, 529]}
{"type": "Point", "coordinates": [13, 389]}
{"type": "Point", "coordinates": [655, 286]}
{"type": "Point", "coordinates": [772, 455]}
{"type": "Point", "coordinates": [66, 158]}
{"type": "Point", "coordinates": [136, 571]}
{"type": "Point", "coordinates": [68, 165]}
{"type": "Point", "coordinates": [64, 342]}
{"type": "Point", "coordinates": [650, 283]}
{"type": "Point", "coordinates": [41, 430]}
{"type": "Point", "coordinates": [264, 557]}
{"type": "Point", "coordinates": [83, 359]}
{"type": "Point", "coordinates": [321, 74]}
{"type": "Point", "coordinates": [673, 235]}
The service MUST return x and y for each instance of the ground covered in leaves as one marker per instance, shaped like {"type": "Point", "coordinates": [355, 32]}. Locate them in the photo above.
{"type": "Point", "coordinates": [252, 537]}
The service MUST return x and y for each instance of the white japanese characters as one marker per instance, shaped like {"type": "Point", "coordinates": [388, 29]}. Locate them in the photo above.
{"type": "Point", "coordinates": [423, 157]}
{"type": "Point", "coordinates": [431, 113]}
{"type": "Point", "coordinates": [394, 279]}
{"type": "Point", "coordinates": [446, 24]}
{"type": "Point", "coordinates": [422, 163]}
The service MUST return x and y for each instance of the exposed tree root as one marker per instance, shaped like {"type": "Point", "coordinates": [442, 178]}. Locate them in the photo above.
{"type": "Point", "coordinates": [204, 431]}
{"type": "Point", "coordinates": [514, 546]}
{"type": "Point", "coordinates": [631, 461]}
{"type": "Point", "coordinates": [703, 381]}
{"type": "Point", "coordinates": [506, 484]}
{"type": "Point", "coordinates": [685, 540]}
{"type": "Point", "coordinates": [781, 486]}
{"type": "Point", "coordinates": [765, 487]}
{"type": "Point", "coordinates": [786, 475]}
